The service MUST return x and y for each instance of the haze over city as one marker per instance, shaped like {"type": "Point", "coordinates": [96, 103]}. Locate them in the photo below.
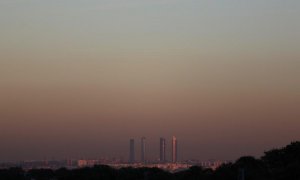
{"type": "Point", "coordinates": [80, 78]}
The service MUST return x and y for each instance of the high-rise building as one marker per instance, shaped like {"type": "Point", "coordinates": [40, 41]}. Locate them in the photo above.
{"type": "Point", "coordinates": [162, 150]}
{"type": "Point", "coordinates": [174, 149]}
{"type": "Point", "coordinates": [143, 149]}
{"type": "Point", "coordinates": [131, 151]}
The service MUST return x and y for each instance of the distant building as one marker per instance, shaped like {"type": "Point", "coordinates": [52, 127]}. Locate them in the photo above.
{"type": "Point", "coordinates": [87, 162]}
{"type": "Point", "coordinates": [131, 151]}
{"type": "Point", "coordinates": [162, 150]}
{"type": "Point", "coordinates": [143, 149]}
{"type": "Point", "coordinates": [82, 163]}
{"type": "Point", "coordinates": [174, 149]}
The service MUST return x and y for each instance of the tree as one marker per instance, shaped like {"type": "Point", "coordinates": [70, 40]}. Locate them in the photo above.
{"type": "Point", "coordinates": [284, 163]}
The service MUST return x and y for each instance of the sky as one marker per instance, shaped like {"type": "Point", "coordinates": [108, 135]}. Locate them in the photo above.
{"type": "Point", "coordinates": [79, 78]}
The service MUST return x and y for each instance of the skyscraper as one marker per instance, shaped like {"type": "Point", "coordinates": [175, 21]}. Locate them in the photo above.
{"type": "Point", "coordinates": [131, 151]}
{"type": "Point", "coordinates": [143, 149]}
{"type": "Point", "coordinates": [162, 150]}
{"type": "Point", "coordinates": [174, 149]}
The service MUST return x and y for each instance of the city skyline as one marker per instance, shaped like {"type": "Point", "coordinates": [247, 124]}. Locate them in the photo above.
{"type": "Point", "coordinates": [162, 151]}
{"type": "Point", "coordinates": [80, 78]}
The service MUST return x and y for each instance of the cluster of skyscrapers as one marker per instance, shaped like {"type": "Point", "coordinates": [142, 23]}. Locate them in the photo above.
{"type": "Point", "coordinates": [162, 150]}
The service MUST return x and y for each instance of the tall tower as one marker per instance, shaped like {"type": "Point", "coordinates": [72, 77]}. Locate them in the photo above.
{"type": "Point", "coordinates": [143, 149]}
{"type": "Point", "coordinates": [162, 150]}
{"type": "Point", "coordinates": [174, 149]}
{"type": "Point", "coordinates": [131, 151]}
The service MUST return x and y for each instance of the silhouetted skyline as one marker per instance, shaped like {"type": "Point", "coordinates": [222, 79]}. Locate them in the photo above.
{"type": "Point", "coordinates": [80, 78]}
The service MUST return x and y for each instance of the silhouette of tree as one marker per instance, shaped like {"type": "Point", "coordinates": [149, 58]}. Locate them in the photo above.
{"type": "Point", "coordinates": [253, 168]}
{"type": "Point", "coordinates": [63, 174]}
{"type": "Point", "coordinates": [194, 173]}
{"type": "Point", "coordinates": [41, 174]}
{"type": "Point", "coordinates": [225, 172]}
{"type": "Point", "coordinates": [284, 163]}
{"type": "Point", "coordinates": [15, 173]}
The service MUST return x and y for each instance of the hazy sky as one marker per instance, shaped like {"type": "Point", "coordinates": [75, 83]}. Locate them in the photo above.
{"type": "Point", "coordinates": [78, 78]}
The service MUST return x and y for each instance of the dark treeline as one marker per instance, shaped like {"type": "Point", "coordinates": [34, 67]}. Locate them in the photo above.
{"type": "Point", "coordinates": [277, 164]}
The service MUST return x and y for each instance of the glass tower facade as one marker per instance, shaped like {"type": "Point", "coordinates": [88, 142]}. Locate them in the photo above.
{"type": "Point", "coordinates": [174, 149]}
{"type": "Point", "coordinates": [131, 151]}
{"type": "Point", "coordinates": [162, 150]}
